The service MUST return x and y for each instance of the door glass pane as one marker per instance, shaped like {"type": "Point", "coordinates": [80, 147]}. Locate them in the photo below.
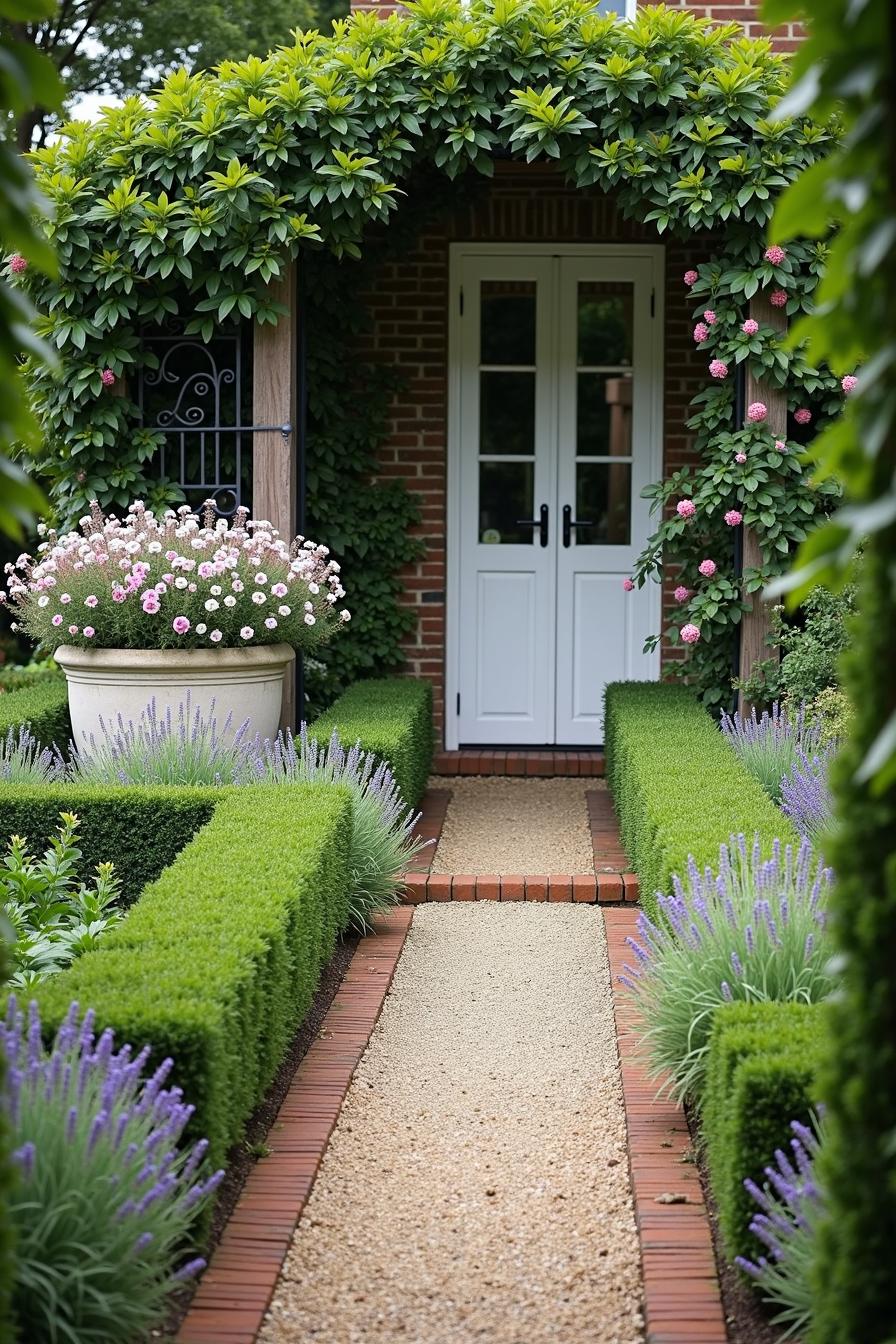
{"type": "Point", "coordinates": [507, 322]}
{"type": "Point", "coordinates": [604, 419]}
{"type": "Point", "coordinates": [603, 498]}
{"type": "Point", "coordinates": [605, 322]}
{"type": "Point", "coordinates": [507, 413]}
{"type": "Point", "coordinates": [506, 494]}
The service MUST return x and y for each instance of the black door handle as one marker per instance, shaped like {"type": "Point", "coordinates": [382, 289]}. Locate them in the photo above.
{"type": "Point", "coordinates": [569, 523]}
{"type": "Point", "coordinates": [541, 522]}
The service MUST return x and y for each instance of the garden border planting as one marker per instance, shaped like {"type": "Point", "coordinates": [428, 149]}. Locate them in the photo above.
{"type": "Point", "coordinates": [43, 706]}
{"type": "Point", "coordinates": [678, 786]}
{"type": "Point", "coordinates": [392, 719]}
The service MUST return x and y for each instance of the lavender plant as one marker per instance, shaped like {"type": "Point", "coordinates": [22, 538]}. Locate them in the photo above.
{"type": "Point", "coordinates": [107, 1194]}
{"type": "Point", "coordinates": [755, 931]}
{"type": "Point", "coordinates": [770, 745]}
{"type": "Point", "coordinates": [806, 796]}
{"type": "Point", "coordinates": [791, 1205]}
{"type": "Point", "coordinates": [24, 761]}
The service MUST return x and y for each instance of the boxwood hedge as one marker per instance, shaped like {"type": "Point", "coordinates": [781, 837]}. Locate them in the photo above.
{"type": "Point", "coordinates": [392, 718]}
{"type": "Point", "coordinates": [678, 787]}
{"type": "Point", "coordinates": [218, 961]}
{"type": "Point", "coordinates": [43, 705]}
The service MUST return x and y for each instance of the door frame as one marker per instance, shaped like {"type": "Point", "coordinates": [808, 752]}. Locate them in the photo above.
{"type": "Point", "coordinates": [457, 253]}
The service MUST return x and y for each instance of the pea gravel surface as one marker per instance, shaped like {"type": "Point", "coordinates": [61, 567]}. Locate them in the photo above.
{"type": "Point", "coordinates": [476, 1185]}
{"type": "Point", "coordinates": [514, 825]}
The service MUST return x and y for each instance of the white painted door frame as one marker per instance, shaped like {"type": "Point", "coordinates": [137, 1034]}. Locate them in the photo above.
{"type": "Point", "coordinates": [628, 259]}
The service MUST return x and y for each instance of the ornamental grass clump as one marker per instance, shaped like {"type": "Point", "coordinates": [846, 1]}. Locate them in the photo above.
{"type": "Point", "coordinates": [756, 931]}
{"type": "Point", "coordinates": [106, 1194]}
{"type": "Point", "coordinates": [771, 744]}
{"type": "Point", "coordinates": [180, 581]}
{"type": "Point", "coordinates": [791, 1205]}
{"type": "Point", "coordinates": [24, 761]}
{"type": "Point", "coordinates": [806, 795]}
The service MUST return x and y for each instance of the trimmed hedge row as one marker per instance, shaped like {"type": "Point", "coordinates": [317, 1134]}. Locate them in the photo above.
{"type": "Point", "coordinates": [7, 1177]}
{"type": "Point", "coordinates": [392, 718]}
{"type": "Point", "coordinates": [141, 830]}
{"type": "Point", "coordinates": [761, 1074]}
{"type": "Point", "coordinates": [217, 963]}
{"type": "Point", "coordinates": [44, 706]}
{"type": "Point", "coordinates": [678, 787]}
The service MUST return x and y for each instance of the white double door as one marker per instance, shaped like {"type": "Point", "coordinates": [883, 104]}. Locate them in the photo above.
{"type": "Point", "coordinates": [555, 429]}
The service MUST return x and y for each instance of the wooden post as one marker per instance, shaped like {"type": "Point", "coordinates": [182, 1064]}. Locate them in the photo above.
{"type": "Point", "coordinates": [756, 623]}
{"type": "Point", "coordinates": [275, 402]}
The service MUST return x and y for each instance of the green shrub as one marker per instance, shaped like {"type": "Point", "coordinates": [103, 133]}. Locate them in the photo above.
{"type": "Point", "coordinates": [44, 706]}
{"type": "Point", "coordinates": [7, 1186]}
{"type": "Point", "coordinates": [678, 787]}
{"type": "Point", "coordinates": [33, 674]}
{"type": "Point", "coordinates": [761, 1075]}
{"type": "Point", "coordinates": [140, 830]}
{"type": "Point", "coordinates": [392, 719]}
{"type": "Point", "coordinates": [217, 963]}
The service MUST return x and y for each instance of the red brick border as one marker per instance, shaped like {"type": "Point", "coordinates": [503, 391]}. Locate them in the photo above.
{"type": "Point", "coordinates": [681, 1287]}
{"type": "Point", "coordinates": [234, 1292]}
{"type": "Point", "coordinates": [478, 761]}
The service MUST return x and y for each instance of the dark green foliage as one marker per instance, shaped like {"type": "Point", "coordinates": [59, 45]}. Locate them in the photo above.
{"type": "Point", "coordinates": [761, 1074]}
{"type": "Point", "coordinates": [44, 706]}
{"type": "Point", "coordinates": [678, 786]}
{"type": "Point", "coordinates": [392, 718]}
{"type": "Point", "coordinates": [218, 961]}
{"type": "Point", "coordinates": [7, 1177]}
{"type": "Point", "coordinates": [141, 831]}
{"type": "Point", "coordinates": [855, 1269]}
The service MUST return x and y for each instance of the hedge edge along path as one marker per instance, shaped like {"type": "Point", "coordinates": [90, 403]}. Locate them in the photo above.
{"type": "Point", "coordinates": [392, 719]}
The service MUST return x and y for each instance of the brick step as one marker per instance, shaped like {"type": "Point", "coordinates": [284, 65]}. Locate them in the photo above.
{"type": "Point", "coordinates": [601, 888]}
{"type": "Point", "coordinates": [548, 763]}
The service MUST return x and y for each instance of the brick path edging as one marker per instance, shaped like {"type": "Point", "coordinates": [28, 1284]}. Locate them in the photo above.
{"type": "Point", "coordinates": [235, 1291]}
{"type": "Point", "coordinates": [548, 764]}
{"type": "Point", "coordinates": [681, 1287]}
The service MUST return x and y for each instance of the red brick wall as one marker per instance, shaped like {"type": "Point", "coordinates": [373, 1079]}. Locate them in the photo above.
{"type": "Point", "coordinates": [410, 332]}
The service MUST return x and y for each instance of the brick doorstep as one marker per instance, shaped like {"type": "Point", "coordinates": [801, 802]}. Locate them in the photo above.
{"type": "Point", "coordinates": [681, 1288]}
{"type": "Point", "coordinates": [234, 1293]}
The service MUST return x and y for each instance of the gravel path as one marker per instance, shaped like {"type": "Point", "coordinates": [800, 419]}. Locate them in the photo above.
{"type": "Point", "coordinates": [476, 1186]}
{"type": "Point", "coordinates": [516, 826]}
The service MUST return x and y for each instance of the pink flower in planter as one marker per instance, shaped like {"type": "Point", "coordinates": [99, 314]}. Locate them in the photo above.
{"type": "Point", "coordinates": [57, 619]}
{"type": "Point", "coordinates": [709, 317]}
{"type": "Point", "coordinates": [740, 458]}
{"type": "Point", "coordinates": [701, 331]}
{"type": "Point", "coordinates": [345, 615]}
{"type": "Point", "coordinates": [73, 629]}
{"type": "Point", "coordinates": [65, 598]}
{"type": "Point", "coordinates": [707, 568]}
{"type": "Point", "coordinates": [691, 278]}
{"type": "Point", "coordinates": [279, 590]}
{"type": "Point", "coordinates": [270, 622]}
{"type": "Point", "coordinates": [780, 445]}
{"type": "Point", "coordinates": [756, 411]}
{"type": "Point", "coordinates": [734, 518]}
{"type": "Point", "coordinates": [802, 416]}
{"type": "Point", "coordinates": [685, 508]}
{"type": "Point", "coordinates": [778, 298]}
{"type": "Point", "coordinates": [775, 254]}
{"type": "Point", "coordinates": [150, 603]}
{"type": "Point", "coordinates": [180, 625]}
{"type": "Point", "coordinates": [627, 585]}
{"type": "Point", "coordinates": [849, 383]}
{"type": "Point", "coordinates": [247, 632]}
{"type": "Point", "coordinates": [750, 327]}
{"type": "Point", "coordinates": [17, 263]}
{"type": "Point", "coordinates": [215, 636]}
{"type": "Point", "coordinates": [107, 377]}
{"type": "Point", "coordinates": [718, 368]}
{"type": "Point", "coordinates": [91, 601]}
{"type": "Point", "coordinates": [681, 593]}
{"type": "Point", "coordinates": [309, 619]}
{"type": "Point", "coordinates": [89, 632]}
{"type": "Point", "coordinates": [690, 633]}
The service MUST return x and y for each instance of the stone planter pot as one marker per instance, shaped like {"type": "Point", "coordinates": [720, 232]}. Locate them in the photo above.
{"type": "Point", "coordinates": [244, 683]}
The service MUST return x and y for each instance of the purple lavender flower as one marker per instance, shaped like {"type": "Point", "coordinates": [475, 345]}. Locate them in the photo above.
{"type": "Point", "coordinates": [769, 745]}
{"type": "Point", "coordinates": [805, 794]}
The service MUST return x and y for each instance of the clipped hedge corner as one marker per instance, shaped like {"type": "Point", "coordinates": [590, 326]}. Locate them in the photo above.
{"type": "Point", "coordinates": [44, 706]}
{"type": "Point", "coordinates": [392, 719]}
{"type": "Point", "coordinates": [678, 787]}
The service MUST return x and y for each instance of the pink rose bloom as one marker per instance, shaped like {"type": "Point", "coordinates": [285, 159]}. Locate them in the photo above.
{"type": "Point", "coordinates": [740, 457]}
{"type": "Point", "coordinates": [802, 416]}
{"type": "Point", "coordinates": [775, 254]}
{"type": "Point", "coordinates": [247, 632]}
{"type": "Point", "coordinates": [778, 298]}
{"type": "Point", "coordinates": [89, 632]}
{"type": "Point", "coordinates": [57, 620]}
{"type": "Point", "coordinates": [108, 378]}
{"type": "Point", "coordinates": [707, 568]}
{"type": "Point", "coordinates": [849, 383]}
{"type": "Point", "coordinates": [180, 625]}
{"type": "Point", "coordinates": [750, 327]}
{"type": "Point", "coordinates": [685, 508]}
{"type": "Point", "coordinates": [780, 445]}
{"type": "Point", "coordinates": [733, 518]}
{"type": "Point", "coordinates": [718, 368]}
{"type": "Point", "coordinates": [690, 634]}
{"type": "Point", "coordinates": [756, 411]}
{"type": "Point", "coordinates": [73, 629]}
{"type": "Point", "coordinates": [691, 278]}
{"type": "Point", "coordinates": [709, 317]}
{"type": "Point", "coordinates": [627, 585]}
{"type": "Point", "coordinates": [17, 263]}
{"type": "Point", "coordinates": [681, 593]}
{"type": "Point", "coordinates": [701, 331]}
